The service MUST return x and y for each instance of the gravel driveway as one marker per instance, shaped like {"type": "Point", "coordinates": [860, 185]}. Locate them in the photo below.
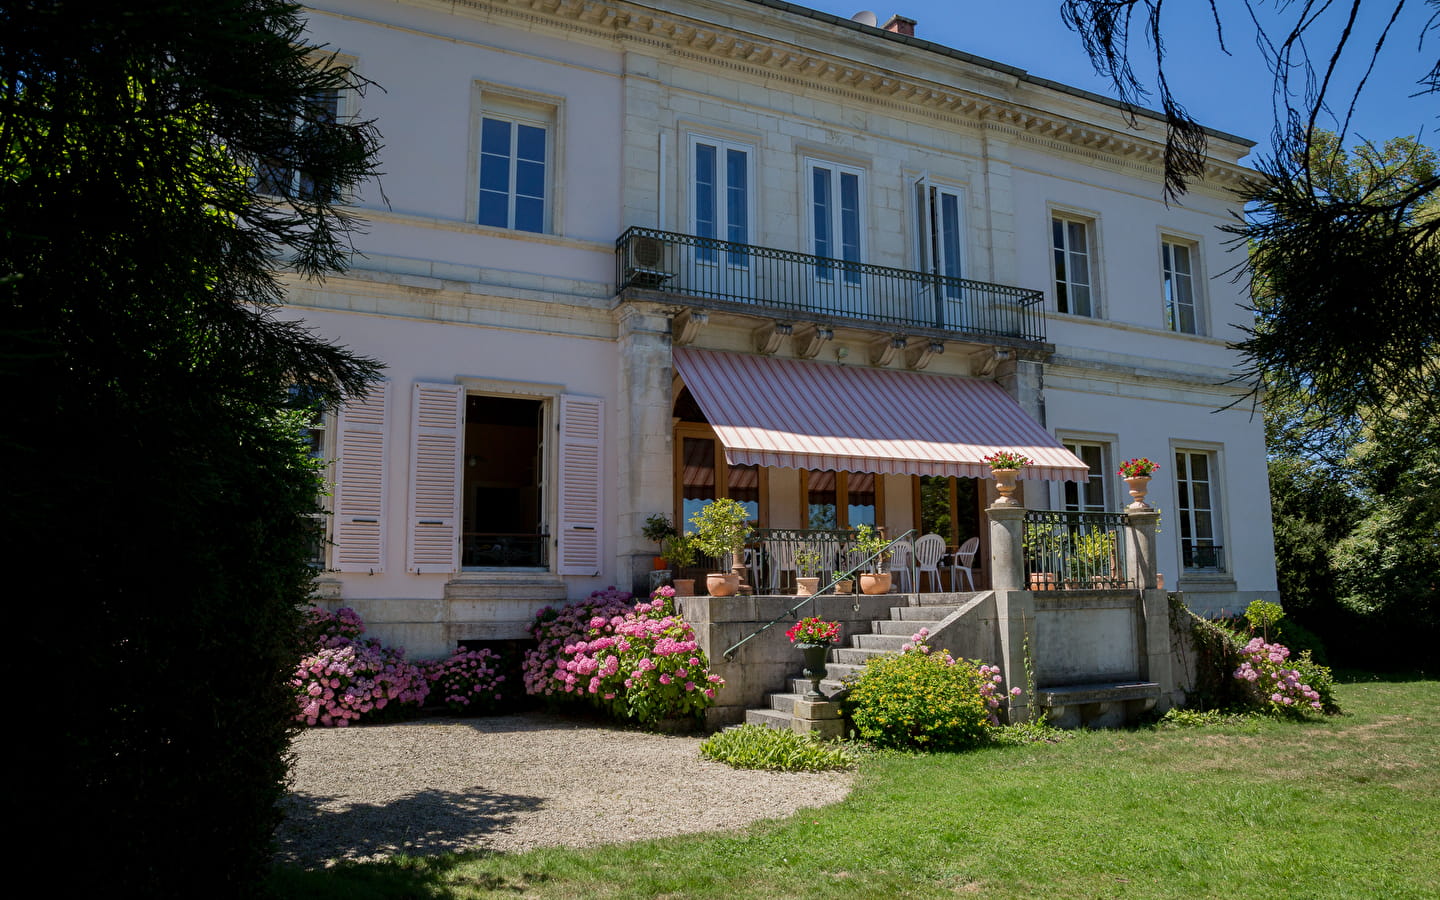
{"type": "Point", "coordinates": [511, 783]}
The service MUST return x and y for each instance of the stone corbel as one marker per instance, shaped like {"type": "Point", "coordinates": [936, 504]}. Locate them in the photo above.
{"type": "Point", "coordinates": [769, 336]}
{"type": "Point", "coordinates": [809, 339]}
{"type": "Point", "coordinates": [686, 325]}
{"type": "Point", "coordinates": [883, 349]}
{"type": "Point", "coordinates": [986, 361]}
{"type": "Point", "coordinates": [919, 357]}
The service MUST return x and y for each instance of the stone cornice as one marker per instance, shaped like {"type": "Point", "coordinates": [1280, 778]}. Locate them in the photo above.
{"type": "Point", "coordinates": [775, 59]}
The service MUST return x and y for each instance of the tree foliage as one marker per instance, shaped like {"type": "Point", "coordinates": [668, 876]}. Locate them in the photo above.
{"type": "Point", "coordinates": [1347, 269]}
{"type": "Point", "coordinates": [160, 495]}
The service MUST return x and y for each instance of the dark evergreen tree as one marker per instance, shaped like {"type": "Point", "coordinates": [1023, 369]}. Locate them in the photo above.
{"type": "Point", "coordinates": [160, 160]}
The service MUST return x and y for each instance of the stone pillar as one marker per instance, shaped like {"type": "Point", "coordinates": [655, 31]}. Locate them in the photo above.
{"type": "Point", "coordinates": [643, 441]}
{"type": "Point", "coordinates": [1014, 605]}
{"type": "Point", "coordinates": [1141, 565]}
{"type": "Point", "coordinates": [1007, 554]}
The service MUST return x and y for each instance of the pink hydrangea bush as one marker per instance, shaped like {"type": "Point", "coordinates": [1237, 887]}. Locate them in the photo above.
{"type": "Point", "coordinates": [555, 628]}
{"type": "Point", "coordinates": [1274, 686]}
{"type": "Point", "coordinates": [468, 682]}
{"type": "Point", "coordinates": [635, 661]}
{"type": "Point", "coordinates": [343, 677]}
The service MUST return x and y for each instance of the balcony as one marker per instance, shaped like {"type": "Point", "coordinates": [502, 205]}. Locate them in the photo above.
{"type": "Point", "coordinates": [786, 284]}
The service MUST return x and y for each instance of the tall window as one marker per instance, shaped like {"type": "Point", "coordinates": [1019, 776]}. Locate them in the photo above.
{"type": "Point", "coordinates": [702, 474]}
{"type": "Point", "coordinates": [1200, 542]}
{"type": "Point", "coordinates": [835, 219]}
{"type": "Point", "coordinates": [278, 176]}
{"type": "Point", "coordinates": [940, 232]}
{"type": "Point", "coordinates": [1179, 279]}
{"type": "Point", "coordinates": [502, 483]}
{"type": "Point", "coordinates": [720, 200]}
{"type": "Point", "coordinates": [514, 158]}
{"type": "Point", "coordinates": [1089, 495]}
{"type": "Point", "coordinates": [948, 507]}
{"type": "Point", "coordinates": [1074, 284]}
{"type": "Point", "coordinates": [840, 499]}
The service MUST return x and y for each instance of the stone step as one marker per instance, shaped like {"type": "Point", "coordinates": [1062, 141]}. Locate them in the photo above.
{"type": "Point", "coordinates": [925, 613]}
{"type": "Point", "coordinates": [770, 718]}
{"type": "Point", "coordinates": [856, 656]}
{"type": "Point", "coordinates": [905, 629]}
{"type": "Point", "coordinates": [887, 643]}
{"type": "Point", "coordinates": [800, 686]}
{"type": "Point", "coordinates": [952, 598]}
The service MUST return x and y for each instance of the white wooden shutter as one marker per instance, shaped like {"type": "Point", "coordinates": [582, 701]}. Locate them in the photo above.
{"type": "Point", "coordinates": [437, 422]}
{"type": "Point", "coordinates": [581, 431]}
{"type": "Point", "coordinates": [360, 452]}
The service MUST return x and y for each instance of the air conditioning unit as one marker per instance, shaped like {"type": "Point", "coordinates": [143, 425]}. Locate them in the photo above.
{"type": "Point", "coordinates": [644, 263]}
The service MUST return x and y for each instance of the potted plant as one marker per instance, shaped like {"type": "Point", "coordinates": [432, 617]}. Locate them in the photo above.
{"type": "Point", "coordinates": [721, 528]}
{"type": "Point", "coordinates": [1005, 466]}
{"type": "Point", "coordinates": [1137, 472]}
{"type": "Point", "coordinates": [844, 584]}
{"type": "Point", "coordinates": [807, 563]}
{"type": "Point", "coordinates": [679, 553]}
{"type": "Point", "coordinates": [868, 543]}
{"type": "Point", "coordinates": [813, 637]}
{"type": "Point", "coordinates": [657, 528]}
{"type": "Point", "coordinates": [1092, 558]}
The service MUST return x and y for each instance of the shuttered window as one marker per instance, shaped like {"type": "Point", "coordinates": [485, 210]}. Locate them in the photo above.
{"type": "Point", "coordinates": [437, 416]}
{"type": "Point", "coordinates": [581, 434]}
{"type": "Point", "coordinates": [360, 451]}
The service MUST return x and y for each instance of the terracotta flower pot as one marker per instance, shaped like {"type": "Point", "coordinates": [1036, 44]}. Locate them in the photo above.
{"type": "Point", "coordinates": [684, 587]}
{"type": "Point", "coordinates": [845, 587]}
{"type": "Point", "coordinates": [659, 563]}
{"type": "Point", "coordinates": [1042, 581]}
{"type": "Point", "coordinates": [722, 584]}
{"type": "Point", "coordinates": [874, 582]}
{"type": "Point", "coordinates": [805, 586]}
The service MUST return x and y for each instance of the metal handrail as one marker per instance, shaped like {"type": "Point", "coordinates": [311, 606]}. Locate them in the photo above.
{"type": "Point", "coordinates": [790, 282]}
{"type": "Point", "coordinates": [729, 654]}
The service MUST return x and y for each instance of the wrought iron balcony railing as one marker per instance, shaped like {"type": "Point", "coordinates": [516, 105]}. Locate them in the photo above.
{"type": "Point", "coordinates": [1202, 556]}
{"type": "Point", "coordinates": [781, 282]}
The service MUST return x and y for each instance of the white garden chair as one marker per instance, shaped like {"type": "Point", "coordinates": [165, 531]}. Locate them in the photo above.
{"type": "Point", "coordinates": [901, 552]}
{"type": "Point", "coordinates": [961, 562]}
{"type": "Point", "coordinates": [929, 550]}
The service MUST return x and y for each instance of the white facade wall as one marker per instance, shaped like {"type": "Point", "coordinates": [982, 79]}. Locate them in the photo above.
{"type": "Point", "coordinates": [439, 298]}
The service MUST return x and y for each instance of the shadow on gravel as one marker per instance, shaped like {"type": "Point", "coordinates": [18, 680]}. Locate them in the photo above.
{"type": "Point", "coordinates": [318, 828]}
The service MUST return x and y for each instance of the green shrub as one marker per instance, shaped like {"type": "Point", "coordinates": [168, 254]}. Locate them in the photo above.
{"type": "Point", "coordinates": [923, 700]}
{"type": "Point", "coordinates": [1320, 680]}
{"type": "Point", "coordinates": [1301, 640]}
{"type": "Point", "coordinates": [759, 747]}
{"type": "Point", "coordinates": [1202, 718]}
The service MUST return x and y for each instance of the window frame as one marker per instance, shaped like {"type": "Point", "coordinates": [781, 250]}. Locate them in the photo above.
{"type": "Point", "coordinates": [823, 273]}
{"type": "Point", "coordinates": [518, 107]}
{"type": "Point", "coordinates": [1091, 255]}
{"type": "Point", "coordinates": [701, 431]}
{"type": "Point", "coordinates": [1185, 516]}
{"type": "Point", "coordinates": [1108, 493]}
{"type": "Point", "coordinates": [842, 498]}
{"type": "Point", "coordinates": [723, 226]}
{"type": "Point", "coordinates": [1172, 321]}
{"type": "Point", "coordinates": [345, 110]}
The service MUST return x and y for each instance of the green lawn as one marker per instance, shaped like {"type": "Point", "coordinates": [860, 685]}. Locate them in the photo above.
{"type": "Point", "coordinates": [1345, 808]}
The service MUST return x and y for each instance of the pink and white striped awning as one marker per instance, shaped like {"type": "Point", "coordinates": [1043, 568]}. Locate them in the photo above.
{"type": "Point", "coordinates": [795, 414]}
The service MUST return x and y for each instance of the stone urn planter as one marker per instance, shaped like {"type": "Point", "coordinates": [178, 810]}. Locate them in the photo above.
{"type": "Point", "coordinates": [845, 586]}
{"type": "Point", "coordinates": [722, 584]}
{"type": "Point", "coordinates": [1139, 486]}
{"type": "Point", "coordinates": [814, 667]}
{"type": "Point", "coordinates": [874, 582]}
{"type": "Point", "coordinates": [805, 586]}
{"type": "Point", "coordinates": [1005, 485]}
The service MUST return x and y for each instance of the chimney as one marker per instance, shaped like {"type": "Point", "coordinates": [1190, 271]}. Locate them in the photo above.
{"type": "Point", "coordinates": [900, 25]}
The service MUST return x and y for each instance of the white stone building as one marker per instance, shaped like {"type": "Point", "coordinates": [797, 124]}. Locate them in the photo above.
{"type": "Point", "coordinates": [823, 213]}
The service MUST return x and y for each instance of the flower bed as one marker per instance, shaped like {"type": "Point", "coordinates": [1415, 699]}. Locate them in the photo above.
{"type": "Point", "coordinates": [634, 661]}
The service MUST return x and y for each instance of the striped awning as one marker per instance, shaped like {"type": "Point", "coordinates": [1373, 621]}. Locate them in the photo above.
{"type": "Point", "coordinates": [796, 414]}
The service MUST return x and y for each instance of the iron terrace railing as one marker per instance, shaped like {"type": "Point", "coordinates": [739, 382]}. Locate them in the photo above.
{"type": "Point", "coordinates": [781, 282]}
{"type": "Point", "coordinates": [1074, 551]}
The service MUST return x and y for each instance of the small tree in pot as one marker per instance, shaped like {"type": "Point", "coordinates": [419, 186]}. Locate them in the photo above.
{"type": "Point", "coordinates": [869, 542]}
{"type": "Point", "coordinates": [721, 529]}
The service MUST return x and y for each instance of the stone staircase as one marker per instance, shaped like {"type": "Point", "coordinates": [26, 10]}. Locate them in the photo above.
{"type": "Point", "coordinates": [885, 636]}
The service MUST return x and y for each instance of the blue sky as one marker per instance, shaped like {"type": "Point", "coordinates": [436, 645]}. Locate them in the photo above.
{"type": "Point", "coordinates": [1231, 93]}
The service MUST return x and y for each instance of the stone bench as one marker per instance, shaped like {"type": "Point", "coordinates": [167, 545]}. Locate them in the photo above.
{"type": "Point", "coordinates": [1107, 705]}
